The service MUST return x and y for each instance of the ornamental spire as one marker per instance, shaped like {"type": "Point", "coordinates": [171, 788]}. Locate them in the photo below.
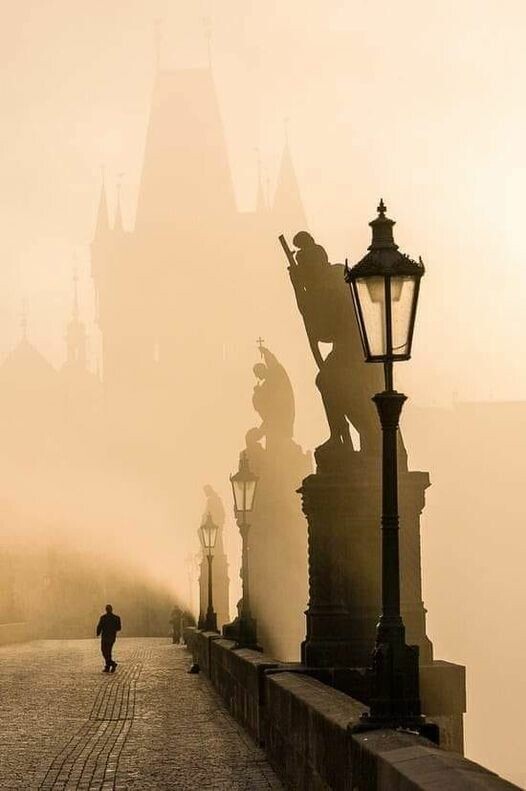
{"type": "Point", "coordinates": [382, 230]}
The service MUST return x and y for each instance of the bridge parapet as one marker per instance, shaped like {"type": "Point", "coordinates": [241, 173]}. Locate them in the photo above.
{"type": "Point", "coordinates": [306, 728]}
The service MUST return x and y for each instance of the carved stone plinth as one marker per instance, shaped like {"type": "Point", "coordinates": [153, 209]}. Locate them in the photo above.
{"type": "Point", "coordinates": [342, 503]}
{"type": "Point", "coordinates": [329, 640]}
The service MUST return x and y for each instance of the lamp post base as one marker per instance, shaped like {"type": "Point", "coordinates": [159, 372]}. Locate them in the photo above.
{"type": "Point", "coordinates": [394, 677]}
{"type": "Point", "coordinates": [210, 622]}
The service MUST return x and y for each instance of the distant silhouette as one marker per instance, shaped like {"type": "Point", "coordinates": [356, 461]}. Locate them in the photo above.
{"type": "Point", "coordinates": [214, 506]}
{"type": "Point", "coordinates": [176, 621]}
{"type": "Point", "coordinates": [277, 556]}
{"type": "Point", "coordinates": [108, 626]}
{"type": "Point", "coordinates": [273, 399]}
{"type": "Point", "coordinates": [324, 302]}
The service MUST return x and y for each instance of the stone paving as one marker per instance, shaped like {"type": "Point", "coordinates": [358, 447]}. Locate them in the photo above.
{"type": "Point", "coordinates": [150, 726]}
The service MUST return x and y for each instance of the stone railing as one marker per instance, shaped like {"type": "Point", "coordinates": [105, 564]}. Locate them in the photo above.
{"type": "Point", "coordinates": [14, 633]}
{"type": "Point", "coordinates": [306, 729]}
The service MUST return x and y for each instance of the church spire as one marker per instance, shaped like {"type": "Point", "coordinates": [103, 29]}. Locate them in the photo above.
{"type": "Point", "coordinates": [288, 207]}
{"type": "Point", "coordinates": [76, 331]}
{"type": "Point", "coordinates": [261, 202]}
{"type": "Point", "coordinates": [157, 41]}
{"type": "Point", "coordinates": [117, 225]}
{"type": "Point", "coordinates": [102, 224]}
{"type": "Point", "coordinates": [75, 312]}
{"type": "Point", "coordinates": [23, 321]}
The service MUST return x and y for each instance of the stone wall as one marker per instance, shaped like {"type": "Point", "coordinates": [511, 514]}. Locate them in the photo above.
{"type": "Point", "coordinates": [306, 728]}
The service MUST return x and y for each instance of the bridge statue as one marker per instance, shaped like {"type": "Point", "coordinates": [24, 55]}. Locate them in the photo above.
{"type": "Point", "coordinates": [214, 506]}
{"type": "Point", "coordinates": [273, 400]}
{"type": "Point", "coordinates": [341, 500]}
{"type": "Point", "coordinates": [277, 556]}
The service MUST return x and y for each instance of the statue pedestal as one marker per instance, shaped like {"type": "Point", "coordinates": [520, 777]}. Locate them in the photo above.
{"type": "Point", "coordinates": [330, 640]}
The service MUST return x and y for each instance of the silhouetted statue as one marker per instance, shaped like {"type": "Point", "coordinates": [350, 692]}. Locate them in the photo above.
{"type": "Point", "coordinates": [325, 304]}
{"type": "Point", "coordinates": [273, 400]}
{"type": "Point", "coordinates": [277, 542]}
{"type": "Point", "coordinates": [108, 626]}
{"type": "Point", "coordinates": [214, 506]}
{"type": "Point", "coordinates": [176, 617]}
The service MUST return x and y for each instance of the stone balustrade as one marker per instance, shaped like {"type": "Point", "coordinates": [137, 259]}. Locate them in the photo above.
{"type": "Point", "coordinates": [306, 728]}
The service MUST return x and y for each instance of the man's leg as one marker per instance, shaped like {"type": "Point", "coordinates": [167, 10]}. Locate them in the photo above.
{"type": "Point", "coordinates": [105, 647]}
{"type": "Point", "coordinates": [113, 663]}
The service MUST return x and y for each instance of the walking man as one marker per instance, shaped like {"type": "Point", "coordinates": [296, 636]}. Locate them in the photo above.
{"type": "Point", "coordinates": [108, 626]}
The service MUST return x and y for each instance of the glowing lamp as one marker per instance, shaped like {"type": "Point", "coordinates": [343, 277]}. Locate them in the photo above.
{"type": "Point", "coordinates": [244, 484]}
{"type": "Point", "coordinates": [208, 535]}
{"type": "Point", "coordinates": [384, 287]}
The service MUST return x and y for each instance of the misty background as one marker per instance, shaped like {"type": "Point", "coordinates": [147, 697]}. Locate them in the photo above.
{"type": "Point", "coordinates": [418, 103]}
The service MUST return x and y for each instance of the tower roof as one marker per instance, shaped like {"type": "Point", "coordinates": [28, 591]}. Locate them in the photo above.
{"type": "Point", "coordinates": [186, 175]}
{"type": "Point", "coordinates": [102, 223]}
{"type": "Point", "coordinates": [288, 206]}
{"type": "Point", "coordinates": [25, 365]}
{"type": "Point", "coordinates": [117, 223]}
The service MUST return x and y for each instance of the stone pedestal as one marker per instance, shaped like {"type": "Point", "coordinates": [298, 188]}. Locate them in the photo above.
{"type": "Point", "coordinates": [277, 548]}
{"type": "Point", "coordinates": [343, 510]}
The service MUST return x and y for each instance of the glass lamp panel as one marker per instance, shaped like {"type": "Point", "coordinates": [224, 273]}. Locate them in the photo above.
{"type": "Point", "coordinates": [238, 489]}
{"type": "Point", "coordinates": [208, 534]}
{"type": "Point", "coordinates": [402, 299]}
{"type": "Point", "coordinates": [250, 491]}
{"type": "Point", "coordinates": [212, 535]}
{"type": "Point", "coordinates": [370, 293]}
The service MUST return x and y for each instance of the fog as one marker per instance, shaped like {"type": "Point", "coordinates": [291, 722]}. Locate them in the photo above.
{"type": "Point", "coordinates": [103, 465]}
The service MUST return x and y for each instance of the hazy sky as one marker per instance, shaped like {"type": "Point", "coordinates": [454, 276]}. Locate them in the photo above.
{"type": "Point", "coordinates": [420, 103]}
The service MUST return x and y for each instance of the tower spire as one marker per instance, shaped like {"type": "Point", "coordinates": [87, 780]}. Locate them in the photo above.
{"type": "Point", "coordinates": [102, 224]}
{"type": "Point", "coordinates": [23, 320]}
{"type": "Point", "coordinates": [117, 225]}
{"type": "Point", "coordinates": [288, 205]}
{"type": "Point", "coordinates": [261, 203]}
{"type": "Point", "coordinates": [75, 311]}
{"type": "Point", "coordinates": [207, 25]}
{"type": "Point", "coordinates": [76, 331]}
{"type": "Point", "coordinates": [157, 40]}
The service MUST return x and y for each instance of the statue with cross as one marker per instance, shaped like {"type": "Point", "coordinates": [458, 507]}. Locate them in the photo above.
{"type": "Point", "coordinates": [273, 400]}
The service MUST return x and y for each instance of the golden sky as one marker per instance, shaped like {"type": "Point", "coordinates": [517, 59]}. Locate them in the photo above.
{"type": "Point", "coordinates": [418, 102]}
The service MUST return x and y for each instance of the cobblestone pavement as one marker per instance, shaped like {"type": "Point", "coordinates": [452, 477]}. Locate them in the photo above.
{"type": "Point", "coordinates": [150, 726]}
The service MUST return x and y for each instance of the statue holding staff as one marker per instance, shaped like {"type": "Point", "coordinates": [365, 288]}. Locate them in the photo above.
{"type": "Point", "coordinates": [345, 382]}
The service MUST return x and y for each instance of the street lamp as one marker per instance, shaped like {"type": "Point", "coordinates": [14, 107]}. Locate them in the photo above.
{"type": "Point", "coordinates": [384, 287]}
{"type": "Point", "coordinates": [208, 536]}
{"type": "Point", "coordinates": [244, 484]}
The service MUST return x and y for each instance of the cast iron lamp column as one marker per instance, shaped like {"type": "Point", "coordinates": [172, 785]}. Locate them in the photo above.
{"type": "Point", "coordinates": [208, 535]}
{"type": "Point", "coordinates": [384, 287]}
{"type": "Point", "coordinates": [244, 484]}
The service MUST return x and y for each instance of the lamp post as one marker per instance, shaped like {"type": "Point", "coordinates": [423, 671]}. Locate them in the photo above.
{"type": "Point", "coordinates": [384, 287]}
{"type": "Point", "coordinates": [208, 535]}
{"type": "Point", "coordinates": [244, 484]}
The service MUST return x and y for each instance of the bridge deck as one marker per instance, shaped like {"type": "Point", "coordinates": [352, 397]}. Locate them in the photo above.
{"type": "Point", "coordinates": [148, 727]}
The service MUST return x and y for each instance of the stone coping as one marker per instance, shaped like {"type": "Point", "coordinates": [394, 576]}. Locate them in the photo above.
{"type": "Point", "coordinates": [308, 730]}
